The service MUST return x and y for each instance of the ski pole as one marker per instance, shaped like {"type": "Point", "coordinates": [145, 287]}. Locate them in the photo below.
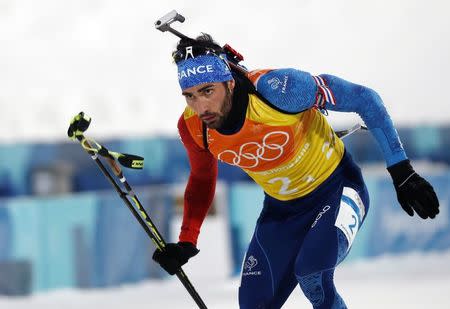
{"type": "Point", "coordinates": [345, 133]}
{"type": "Point", "coordinates": [79, 124]}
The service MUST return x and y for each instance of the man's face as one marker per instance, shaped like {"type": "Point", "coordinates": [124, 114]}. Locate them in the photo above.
{"type": "Point", "coordinates": [211, 101]}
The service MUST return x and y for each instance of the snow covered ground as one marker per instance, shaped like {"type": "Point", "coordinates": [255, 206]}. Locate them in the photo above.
{"type": "Point", "coordinates": [413, 281]}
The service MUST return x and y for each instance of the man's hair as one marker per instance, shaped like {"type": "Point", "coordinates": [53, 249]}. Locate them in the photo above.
{"type": "Point", "coordinates": [202, 42]}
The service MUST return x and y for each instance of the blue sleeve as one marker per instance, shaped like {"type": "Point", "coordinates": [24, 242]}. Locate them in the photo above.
{"type": "Point", "coordinates": [289, 90]}
{"type": "Point", "coordinates": [294, 91]}
{"type": "Point", "coordinates": [367, 103]}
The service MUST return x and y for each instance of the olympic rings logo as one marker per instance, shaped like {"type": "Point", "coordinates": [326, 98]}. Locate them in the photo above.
{"type": "Point", "coordinates": [253, 152]}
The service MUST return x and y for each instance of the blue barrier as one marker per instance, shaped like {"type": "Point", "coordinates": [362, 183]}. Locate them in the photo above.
{"type": "Point", "coordinates": [392, 231]}
{"type": "Point", "coordinates": [167, 162]}
{"type": "Point", "coordinates": [387, 229]}
{"type": "Point", "coordinates": [245, 204]}
{"type": "Point", "coordinates": [84, 240]}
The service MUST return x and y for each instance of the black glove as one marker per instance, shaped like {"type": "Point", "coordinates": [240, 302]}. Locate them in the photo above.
{"type": "Point", "coordinates": [174, 256]}
{"type": "Point", "coordinates": [413, 192]}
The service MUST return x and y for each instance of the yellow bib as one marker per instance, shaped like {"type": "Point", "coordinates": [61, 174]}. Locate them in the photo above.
{"type": "Point", "coordinates": [287, 155]}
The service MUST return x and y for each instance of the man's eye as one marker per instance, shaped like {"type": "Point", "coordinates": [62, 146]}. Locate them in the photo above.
{"type": "Point", "coordinates": [209, 91]}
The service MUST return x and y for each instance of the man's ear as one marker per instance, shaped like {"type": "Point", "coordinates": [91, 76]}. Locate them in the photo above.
{"type": "Point", "coordinates": [231, 83]}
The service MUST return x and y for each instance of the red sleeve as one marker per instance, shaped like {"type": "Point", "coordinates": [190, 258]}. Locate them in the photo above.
{"type": "Point", "coordinates": [200, 188]}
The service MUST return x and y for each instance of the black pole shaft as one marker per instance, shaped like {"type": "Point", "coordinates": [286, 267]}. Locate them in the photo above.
{"type": "Point", "coordinates": [180, 274]}
{"type": "Point", "coordinates": [160, 243]}
{"type": "Point", "coordinates": [124, 198]}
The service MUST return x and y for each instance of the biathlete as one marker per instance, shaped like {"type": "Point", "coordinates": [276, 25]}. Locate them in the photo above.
{"type": "Point", "coordinates": [271, 124]}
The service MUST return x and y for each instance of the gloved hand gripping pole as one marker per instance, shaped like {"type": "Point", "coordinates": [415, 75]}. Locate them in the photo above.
{"type": "Point", "coordinates": [78, 126]}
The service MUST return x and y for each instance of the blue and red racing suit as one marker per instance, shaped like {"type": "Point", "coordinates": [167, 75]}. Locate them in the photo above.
{"type": "Point", "coordinates": [315, 197]}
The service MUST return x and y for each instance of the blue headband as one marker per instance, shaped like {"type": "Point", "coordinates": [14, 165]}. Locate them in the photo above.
{"type": "Point", "coordinates": [202, 69]}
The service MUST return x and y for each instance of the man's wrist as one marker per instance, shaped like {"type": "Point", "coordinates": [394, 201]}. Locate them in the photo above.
{"type": "Point", "coordinates": [400, 171]}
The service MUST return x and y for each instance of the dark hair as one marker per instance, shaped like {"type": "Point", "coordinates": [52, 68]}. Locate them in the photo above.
{"type": "Point", "coordinates": [201, 45]}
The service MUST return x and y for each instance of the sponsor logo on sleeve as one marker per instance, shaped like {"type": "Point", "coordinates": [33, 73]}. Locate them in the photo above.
{"type": "Point", "coordinates": [249, 267]}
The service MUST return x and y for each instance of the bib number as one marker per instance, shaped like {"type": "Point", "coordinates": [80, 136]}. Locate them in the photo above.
{"type": "Point", "coordinates": [285, 182]}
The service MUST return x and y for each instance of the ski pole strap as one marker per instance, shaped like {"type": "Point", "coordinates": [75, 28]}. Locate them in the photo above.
{"type": "Point", "coordinates": [130, 161]}
{"type": "Point", "coordinates": [344, 133]}
{"type": "Point", "coordinates": [125, 159]}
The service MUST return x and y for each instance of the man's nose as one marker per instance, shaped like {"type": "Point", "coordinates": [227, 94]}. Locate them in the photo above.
{"type": "Point", "coordinates": [202, 106]}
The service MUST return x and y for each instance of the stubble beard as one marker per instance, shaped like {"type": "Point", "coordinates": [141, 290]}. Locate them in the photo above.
{"type": "Point", "coordinates": [224, 112]}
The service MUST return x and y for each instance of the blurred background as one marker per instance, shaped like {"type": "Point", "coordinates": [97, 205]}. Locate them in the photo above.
{"type": "Point", "coordinates": [66, 239]}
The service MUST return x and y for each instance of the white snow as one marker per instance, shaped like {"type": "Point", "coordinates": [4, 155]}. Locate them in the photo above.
{"type": "Point", "coordinates": [58, 57]}
{"type": "Point", "coordinates": [414, 281]}
{"type": "Point", "coordinates": [360, 290]}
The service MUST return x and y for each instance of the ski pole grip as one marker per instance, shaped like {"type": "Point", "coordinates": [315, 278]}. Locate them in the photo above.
{"type": "Point", "coordinates": [78, 125]}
